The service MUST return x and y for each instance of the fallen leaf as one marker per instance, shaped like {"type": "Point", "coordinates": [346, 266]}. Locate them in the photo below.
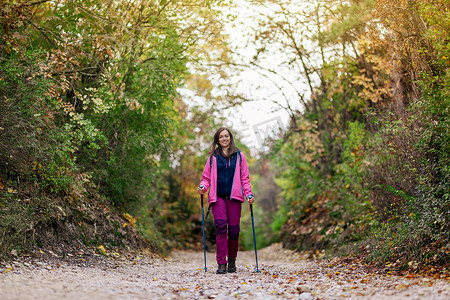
{"type": "Point", "coordinates": [129, 218]}
{"type": "Point", "coordinates": [102, 250]}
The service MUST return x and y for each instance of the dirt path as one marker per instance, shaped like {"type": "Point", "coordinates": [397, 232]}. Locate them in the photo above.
{"type": "Point", "coordinates": [284, 275]}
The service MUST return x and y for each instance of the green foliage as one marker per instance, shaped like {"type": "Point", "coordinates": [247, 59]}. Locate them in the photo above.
{"type": "Point", "coordinates": [368, 159]}
{"type": "Point", "coordinates": [36, 140]}
{"type": "Point", "coordinates": [264, 234]}
{"type": "Point", "coordinates": [411, 165]}
{"type": "Point", "coordinates": [414, 171]}
{"type": "Point", "coordinates": [279, 220]}
{"type": "Point", "coordinates": [89, 100]}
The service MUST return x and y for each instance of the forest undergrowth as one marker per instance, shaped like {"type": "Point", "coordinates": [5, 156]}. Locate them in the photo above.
{"type": "Point", "coordinates": [101, 144]}
{"type": "Point", "coordinates": [364, 167]}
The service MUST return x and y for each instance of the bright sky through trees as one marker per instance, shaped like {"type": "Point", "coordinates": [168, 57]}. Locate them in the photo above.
{"type": "Point", "coordinates": [256, 120]}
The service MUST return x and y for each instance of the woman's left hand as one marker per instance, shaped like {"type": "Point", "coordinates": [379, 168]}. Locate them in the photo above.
{"type": "Point", "coordinates": [201, 190]}
{"type": "Point", "coordinates": [251, 199]}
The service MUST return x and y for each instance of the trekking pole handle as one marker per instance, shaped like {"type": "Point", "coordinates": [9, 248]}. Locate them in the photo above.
{"type": "Point", "coordinates": [201, 195]}
{"type": "Point", "coordinates": [251, 205]}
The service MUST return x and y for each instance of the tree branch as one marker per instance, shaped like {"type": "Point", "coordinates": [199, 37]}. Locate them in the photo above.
{"type": "Point", "coordinates": [43, 33]}
{"type": "Point", "coordinates": [37, 2]}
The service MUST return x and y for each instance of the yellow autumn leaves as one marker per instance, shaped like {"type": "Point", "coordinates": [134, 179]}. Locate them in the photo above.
{"type": "Point", "coordinates": [131, 220]}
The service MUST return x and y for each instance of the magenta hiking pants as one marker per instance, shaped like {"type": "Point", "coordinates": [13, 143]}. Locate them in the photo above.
{"type": "Point", "coordinates": [227, 215]}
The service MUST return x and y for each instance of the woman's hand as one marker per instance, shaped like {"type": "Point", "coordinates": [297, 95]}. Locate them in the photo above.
{"type": "Point", "coordinates": [201, 189]}
{"type": "Point", "coordinates": [251, 199]}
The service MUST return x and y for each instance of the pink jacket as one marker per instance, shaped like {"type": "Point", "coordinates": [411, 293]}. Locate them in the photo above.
{"type": "Point", "coordinates": [241, 182]}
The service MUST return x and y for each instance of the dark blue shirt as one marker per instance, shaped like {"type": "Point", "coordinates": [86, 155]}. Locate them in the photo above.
{"type": "Point", "coordinates": [225, 174]}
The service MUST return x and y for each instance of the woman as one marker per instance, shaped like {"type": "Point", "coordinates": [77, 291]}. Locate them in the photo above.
{"type": "Point", "coordinates": [226, 175]}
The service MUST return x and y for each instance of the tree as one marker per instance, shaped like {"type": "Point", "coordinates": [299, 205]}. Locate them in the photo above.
{"type": "Point", "coordinates": [96, 86]}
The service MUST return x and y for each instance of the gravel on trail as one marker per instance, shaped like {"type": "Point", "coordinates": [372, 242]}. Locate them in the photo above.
{"type": "Point", "coordinates": [283, 275]}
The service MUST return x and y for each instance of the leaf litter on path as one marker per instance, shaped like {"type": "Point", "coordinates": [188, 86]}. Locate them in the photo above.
{"type": "Point", "coordinates": [283, 275]}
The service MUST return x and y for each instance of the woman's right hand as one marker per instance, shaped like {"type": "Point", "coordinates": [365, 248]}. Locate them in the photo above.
{"type": "Point", "coordinates": [201, 189]}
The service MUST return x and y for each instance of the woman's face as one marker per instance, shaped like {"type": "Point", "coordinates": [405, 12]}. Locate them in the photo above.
{"type": "Point", "coordinates": [224, 138]}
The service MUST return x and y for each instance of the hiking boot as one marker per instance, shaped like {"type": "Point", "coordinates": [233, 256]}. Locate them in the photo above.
{"type": "Point", "coordinates": [222, 269]}
{"type": "Point", "coordinates": [231, 266]}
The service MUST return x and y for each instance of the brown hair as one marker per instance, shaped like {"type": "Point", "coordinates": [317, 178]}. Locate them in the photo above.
{"type": "Point", "coordinates": [215, 144]}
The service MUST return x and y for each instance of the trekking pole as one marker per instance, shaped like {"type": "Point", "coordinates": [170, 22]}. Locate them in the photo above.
{"type": "Point", "coordinates": [254, 238]}
{"type": "Point", "coordinates": [203, 227]}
